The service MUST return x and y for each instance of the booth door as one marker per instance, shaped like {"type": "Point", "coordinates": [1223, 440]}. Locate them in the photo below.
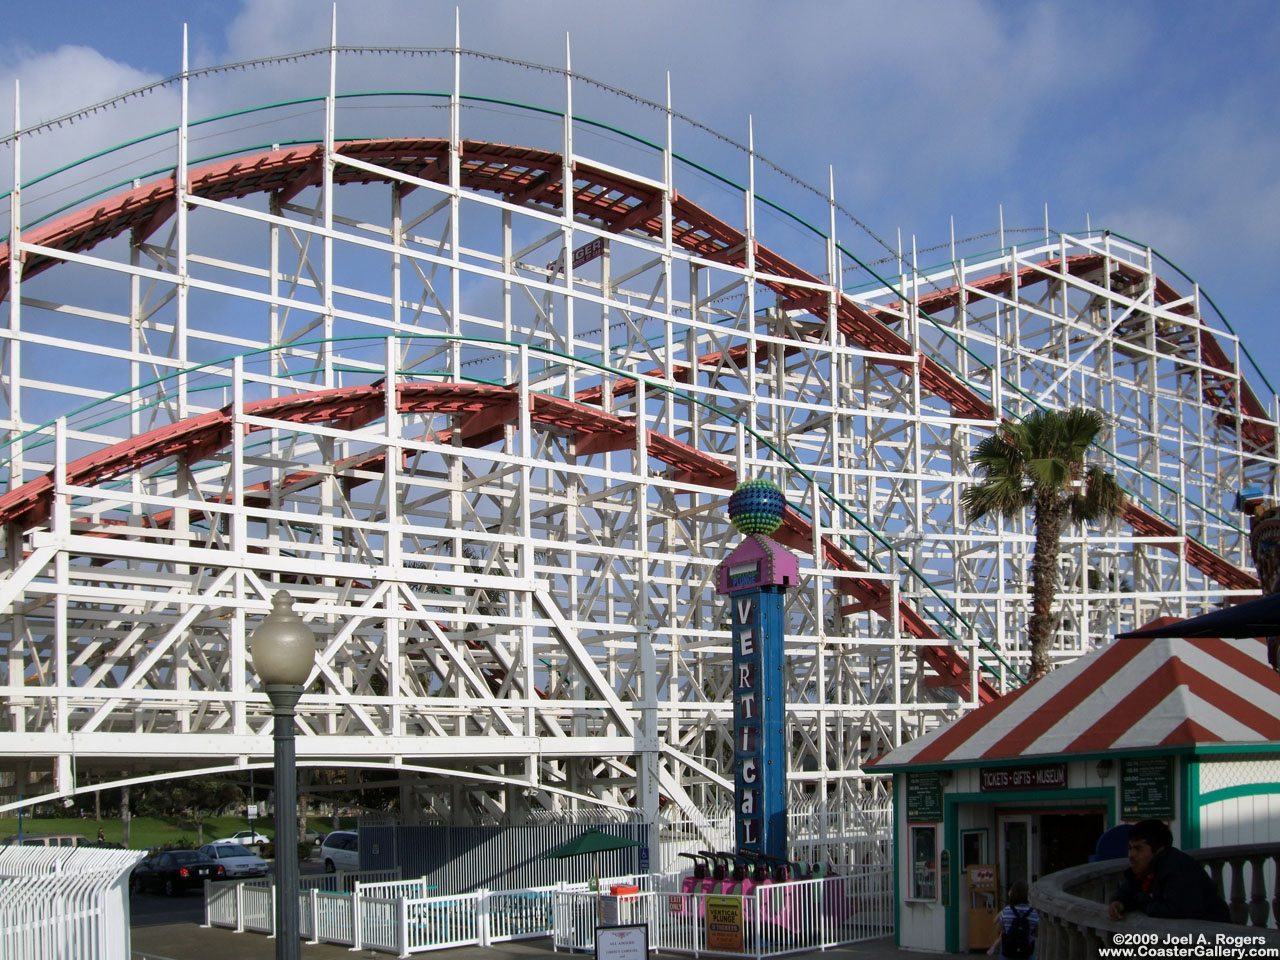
{"type": "Point", "coordinates": [1015, 850]}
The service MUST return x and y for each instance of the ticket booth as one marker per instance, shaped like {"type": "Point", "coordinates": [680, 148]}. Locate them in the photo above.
{"type": "Point", "coordinates": [998, 822]}
{"type": "Point", "coordinates": [1020, 789]}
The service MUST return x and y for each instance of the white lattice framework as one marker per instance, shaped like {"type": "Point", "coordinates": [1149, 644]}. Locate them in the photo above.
{"type": "Point", "coordinates": [494, 476]}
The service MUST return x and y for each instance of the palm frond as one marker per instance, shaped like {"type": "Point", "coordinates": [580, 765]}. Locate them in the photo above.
{"type": "Point", "coordinates": [1001, 494]}
{"type": "Point", "coordinates": [1102, 499]}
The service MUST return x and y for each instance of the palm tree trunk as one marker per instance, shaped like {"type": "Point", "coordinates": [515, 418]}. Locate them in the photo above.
{"type": "Point", "coordinates": [1044, 582]}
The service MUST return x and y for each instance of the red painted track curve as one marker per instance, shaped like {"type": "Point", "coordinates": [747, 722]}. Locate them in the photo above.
{"type": "Point", "coordinates": [483, 411]}
{"type": "Point", "coordinates": [618, 203]}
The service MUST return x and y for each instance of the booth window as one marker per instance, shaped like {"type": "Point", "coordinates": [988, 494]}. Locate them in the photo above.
{"type": "Point", "coordinates": [973, 847]}
{"type": "Point", "coordinates": [924, 863]}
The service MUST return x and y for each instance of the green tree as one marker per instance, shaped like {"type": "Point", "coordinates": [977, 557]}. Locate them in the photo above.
{"type": "Point", "coordinates": [1040, 463]}
{"type": "Point", "coordinates": [189, 803]}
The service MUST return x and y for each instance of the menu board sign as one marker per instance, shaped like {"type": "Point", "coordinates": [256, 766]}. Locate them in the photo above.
{"type": "Point", "coordinates": [924, 798]}
{"type": "Point", "coordinates": [1146, 788]}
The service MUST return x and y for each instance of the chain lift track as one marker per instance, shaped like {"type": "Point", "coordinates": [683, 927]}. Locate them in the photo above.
{"type": "Point", "coordinates": [478, 407]}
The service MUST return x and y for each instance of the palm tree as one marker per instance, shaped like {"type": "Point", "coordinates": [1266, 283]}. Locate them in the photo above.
{"type": "Point", "coordinates": [1040, 463]}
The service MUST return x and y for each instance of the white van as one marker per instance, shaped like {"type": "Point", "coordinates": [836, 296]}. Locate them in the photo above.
{"type": "Point", "coordinates": [48, 840]}
{"type": "Point", "coordinates": [341, 851]}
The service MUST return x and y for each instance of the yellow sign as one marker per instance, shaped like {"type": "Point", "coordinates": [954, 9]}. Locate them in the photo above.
{"type": "Point", "coordinates": [724, 924]}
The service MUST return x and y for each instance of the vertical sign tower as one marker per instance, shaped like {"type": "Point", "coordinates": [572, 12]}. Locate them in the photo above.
{"type": "Point", "coordinates": [755, 578]}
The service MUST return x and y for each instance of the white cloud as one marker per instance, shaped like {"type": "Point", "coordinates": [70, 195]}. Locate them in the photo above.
{"type": "Point", "coordinates": [1159, 122]}
{"type": "Point", "coordinates": [57, 82]}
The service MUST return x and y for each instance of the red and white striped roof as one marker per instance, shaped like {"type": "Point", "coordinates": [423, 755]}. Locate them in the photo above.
{"type": "Point", "coordinates": [1131, 695]}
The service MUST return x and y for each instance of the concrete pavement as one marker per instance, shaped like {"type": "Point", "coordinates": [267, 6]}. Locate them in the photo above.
{"type": "Point", "coordinates": [190, 941]}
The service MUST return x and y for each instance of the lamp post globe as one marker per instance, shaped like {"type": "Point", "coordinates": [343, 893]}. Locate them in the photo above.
{"type": "Point", "coordinates": [283, 649]}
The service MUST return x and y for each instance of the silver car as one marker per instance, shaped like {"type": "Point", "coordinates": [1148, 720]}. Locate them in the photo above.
{"type": "Point", "coordinates": [235, 859]}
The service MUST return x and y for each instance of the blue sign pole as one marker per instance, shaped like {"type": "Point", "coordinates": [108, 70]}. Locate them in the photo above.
{"type": "Point", "coordinates": [755, 577]}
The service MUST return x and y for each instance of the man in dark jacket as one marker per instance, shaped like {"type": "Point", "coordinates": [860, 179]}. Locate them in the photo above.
{"type": "Point", "coordinates": [1162, 881]}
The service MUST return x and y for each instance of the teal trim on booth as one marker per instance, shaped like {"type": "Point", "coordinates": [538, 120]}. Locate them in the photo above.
{"type": "Point", "coordinates": [1243, 790]}
{"type": "Point", "coordinates": [898, 782]}
{"type": "Point", "coordinates": [1047, 799]}
{"type": "Point", "coordinates": [1192, 749]}
{"type": "Point", "coordinates": [1205, 749]}
{"type": "Point", "coordinates": [951, 841]}
{"type": "Point", "coordinates": [1190, 813]}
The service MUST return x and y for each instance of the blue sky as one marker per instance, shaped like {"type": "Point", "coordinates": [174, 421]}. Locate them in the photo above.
{"type": "Point", "coordinates": [1156, 119]}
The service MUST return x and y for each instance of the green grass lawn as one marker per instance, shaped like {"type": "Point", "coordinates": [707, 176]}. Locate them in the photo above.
{"type": "Point", "coordinates": [152, 831]}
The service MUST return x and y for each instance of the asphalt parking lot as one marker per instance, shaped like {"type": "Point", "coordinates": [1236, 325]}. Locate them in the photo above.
{"type": "Point", "coordinates": [153, 909]}
{"type": "Point", "coordinates": [156, 910]}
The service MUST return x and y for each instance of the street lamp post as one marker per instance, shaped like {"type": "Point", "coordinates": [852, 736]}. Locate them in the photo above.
{"type": "Point", "coordinates": [284, 650]}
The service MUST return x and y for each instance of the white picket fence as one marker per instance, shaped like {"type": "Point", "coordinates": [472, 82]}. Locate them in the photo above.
{"type": "Point", "coordinates": [401, 917]}
{"type": "Point", "coordinates": [774, 920]}
{"type": "Point", "coordinates": [387, 915]}
{"type": "Point", "coordinates": [65, 902]}
{"type": "Point", "coordinates": [250, 904]}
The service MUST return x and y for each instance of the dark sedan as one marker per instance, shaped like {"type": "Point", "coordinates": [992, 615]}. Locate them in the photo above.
{"type": "Point", "coordinates": [175, 871]}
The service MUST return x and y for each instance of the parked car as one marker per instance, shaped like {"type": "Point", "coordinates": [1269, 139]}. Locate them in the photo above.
{"type": "Point", "coordinates": [245, 837]}
{"type": "Point", "coordinates": [174, 871]}
{"type": "Point", "coordinates": [235, 859]}
{"type": "Point", "coordinates": [341, 851]}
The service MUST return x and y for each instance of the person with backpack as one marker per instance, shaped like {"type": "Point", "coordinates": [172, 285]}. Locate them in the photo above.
{"type": "Point", "coordinates": [1018, 923]}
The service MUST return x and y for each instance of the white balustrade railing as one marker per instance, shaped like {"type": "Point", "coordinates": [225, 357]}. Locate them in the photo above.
{"type": "Point", "coordinates": [1074, 920]}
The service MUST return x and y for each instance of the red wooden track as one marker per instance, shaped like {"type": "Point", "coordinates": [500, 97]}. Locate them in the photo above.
{"type": "Point", "coordinates": [525, 175]}
{"type": "Point", "coordinates": [616, 202]}
{"type": "Point", "coordinates": [1244, 412]}
{"type": "Point", "coordinates": [482, 410]}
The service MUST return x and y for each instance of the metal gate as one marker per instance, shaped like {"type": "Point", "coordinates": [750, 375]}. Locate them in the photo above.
{"type": "Point", "coordinates": [65, 901]}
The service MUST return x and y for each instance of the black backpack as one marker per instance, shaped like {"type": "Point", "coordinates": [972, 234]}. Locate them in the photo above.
{"type": "Point", "coordinates": [1016, 941]}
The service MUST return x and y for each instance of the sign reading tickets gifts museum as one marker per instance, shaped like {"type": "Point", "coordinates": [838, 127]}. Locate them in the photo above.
{"type": "Point", "coordinates": [1047, 776]}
